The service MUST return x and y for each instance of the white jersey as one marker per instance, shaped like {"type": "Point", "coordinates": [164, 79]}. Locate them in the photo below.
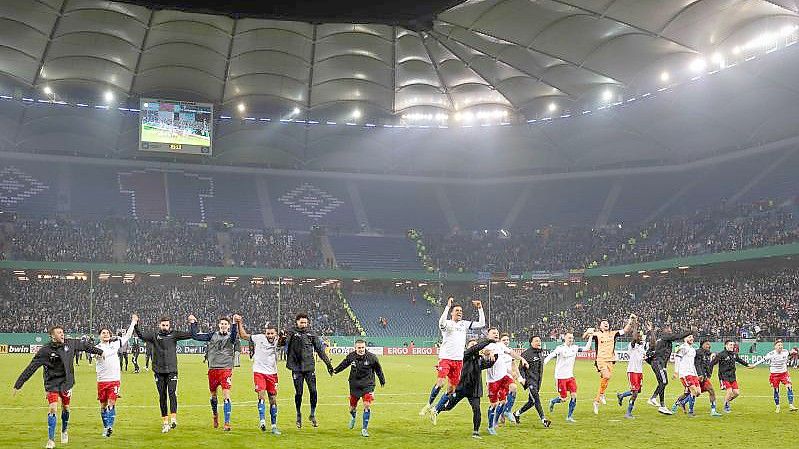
{"type": "Point", "coordinates": [777, 361]}
{"type": "Point", "coordinates": [636, 362]}
{"type": "Point", "coordinates": [503, 363]}
{"type": "Point", "coordinates": [566, 355]}
{"type": "Point", "coordinates": [684, 360]}
{"type": "Point", "coordinates": [107, 367]}
{"type": "Point", "coordinates": [453, 334]}
{"type": "Point", "coordinates": [264, 359]}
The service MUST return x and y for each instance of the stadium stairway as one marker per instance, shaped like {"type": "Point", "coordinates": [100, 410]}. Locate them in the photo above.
{"type": "Point", "coordinates": [375, 253]}
{"type": "Point", "coordinates": [405, 318]}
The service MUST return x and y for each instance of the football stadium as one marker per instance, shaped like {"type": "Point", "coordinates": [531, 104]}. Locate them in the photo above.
{"type": "Point", "coordinates": [416, 224]}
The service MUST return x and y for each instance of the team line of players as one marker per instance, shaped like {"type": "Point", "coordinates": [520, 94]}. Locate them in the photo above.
{"type": "Point", "coordinates": [459, 368]}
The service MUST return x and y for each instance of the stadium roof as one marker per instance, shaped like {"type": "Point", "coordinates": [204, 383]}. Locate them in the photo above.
{"type": "Point", "coordinates": [509, 61]}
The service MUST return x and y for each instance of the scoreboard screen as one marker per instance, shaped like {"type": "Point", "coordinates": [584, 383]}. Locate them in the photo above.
{"type": "Point", "coordinates": [175, 126]}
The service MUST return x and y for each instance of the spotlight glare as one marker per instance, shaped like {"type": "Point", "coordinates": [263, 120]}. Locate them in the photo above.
{"type": "Point", "coordinates": [109, 96]}
{"type": "Point", "coordinates": [698, 65]}
{"type": "Point", "coordinates": [552, 107]}
{"type": "Point", "coordinates": [665, 77]}
{"type": "Point", "coordinates": [241, 107]}
{"type": "Point", "coordinates": [607, 95]}
{"type": "Point", "coordinates": [356, 113]}
{"type": "Point", "coordinates": [736, 50]}
{"type": "Point", "coordinates": [295, 111]}
{"type": "Point", "coordinates": [48, 90]}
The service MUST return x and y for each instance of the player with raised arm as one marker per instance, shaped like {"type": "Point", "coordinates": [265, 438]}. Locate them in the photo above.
{"type": "Point", "coordinates": [500, 376]}
{"type": "Point", "coordinates": [606, 354]}
{"type": "Point", "coordinates": [450, 353]}
{"type": "Point", "coordinates": [685, 370]}
{"type": "Point", "coordinates": [635, 373]}
{"type": "Point", "coordinates": [704, 367]}
{"type": "Point", "coordinates": [363, 367]}
{"type": "Point", "coordinates": [221, 353]}
{"type": "Point", "coordinates": [162, 345]}
{"type": "Point", "coordinates": [566, 355]}
{"type": "Point", "coordinates": [778, 368]}
{"type": "Point", "coordinates": [530, 378]}
{"type": "Point", "coordinates": [300, 348]}
{"type": "Point", "coordinates": [59, 377]}
{"type": "Point", "coordinates": [726, 360]}
{"type": "Point", "coordinates": [264, 369]}
{"type": "Point", "coordinates": [470, 387]}
{"type": "Point", "coordinates": [661, 349]}
{"type": "Point", "coordinates": [109, 374]}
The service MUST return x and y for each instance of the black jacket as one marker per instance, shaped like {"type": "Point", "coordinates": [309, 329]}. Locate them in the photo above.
{"type": "Point", "coordinates": [532, 375]}
{"type": "Point", "coordinates": [471, 382]}
{"type": "Point", "coordinates": [726, 361]}
{"type": "Point", "coordinates": [300, 348]}
{"type": "Point", "coordinates": [363, 371]}
{"type": "Point", "coordinates": [163, 348]}
{"type": "Point", "coordinates": [703, 363]}
{"type": "Point", "coordinates": [661, 348]}
{"type": "Point", "coordinates": [57, 359]}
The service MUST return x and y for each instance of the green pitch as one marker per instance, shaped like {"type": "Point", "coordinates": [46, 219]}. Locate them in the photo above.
{"type": "Point", "coordinates": [395, 421]}
{"type": "Point", "coordinates": [152, 134]}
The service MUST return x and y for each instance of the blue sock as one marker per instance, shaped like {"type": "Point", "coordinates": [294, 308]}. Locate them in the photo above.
{"type": "Point", "coordinates": [777, 396]}
{"type": "Point", "coordinates": [261, 410]}
{"type": "Point", "coordinates": [64, 419]}
{"type": "Point", "coordinates": [572, 405]}
{"type": "Point", "coordinates": [434, 394]}
{"type": "Point", "coordinates": [626, 394]}
{"type": "Point", "coordinates": [511, 401]}
{"type": "Point", "coordinates": [556, 400]}
{"type": "Point", "coordinates": [51, 426]}
{"type": "Point", "coordinates": [630, 407]}
{"type": "Point", "coordinates": [790, 395]}
{"type": "Point", "coordinates": [691, 402]}
{"type": "Point", "coordinates": [104, 416]}
{"type": "Point", "coordinates": [214, 405]}
{"type": "Point", "coordinates": [111, 415]}
{"type": "Point", "coordinates": [273, 414]}
{"type": "Point", "coordinates": [491, 411]}
{"type": "Point", "coordinates": [713, 405]}
{"type": "Point", "coordinates": [498, 414]}
{"type": "Point", "coordinates": [227, 407]}
{"type": "Point", "coordinates": [366, 415]}
{"type": "Point", "coordinates": [353, 412]}
{"type": "Point", "coordinates": [684, 400]}
{"type": "Point", "coordinates": [442, 402]}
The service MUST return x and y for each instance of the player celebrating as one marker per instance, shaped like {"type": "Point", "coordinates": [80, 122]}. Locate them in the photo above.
{"type": "Point", "coordinates": [363, 368]}
{"type": "Point", "coordinates": [450, 353]}
{"type": "Point", "coordinates": [162, 346]}
{"type": "Point", "coordinates": [470, 387]}
{"type": "Point", "coordinates": [726, 360]}
{"type": "Point", "coordinates": [566, 355]}
{"type": "Point", "coordinates": [778, 366]}
{"type": "Point", "coordinates": [635, 373]}
{"type": "Point", "coordinates": [221, 353]}
{"type": "Point", "coordinates": [59, 378]}
{"type": "Point", "coordinates": [685, 369]}
{"type": "Point", "coordinates": [109, 374]}
{"type": "Point", "coordinates": [661, 353]}
{"type": "Point", "coordinates": [500, 379]}
{"type": "Point", "coordinates": [605, 354]}
{"type": "Point", "coordinates": [264, 370]}
{"type": "Point", "coordinates": [301, 346]}
{"type": "Point", "coordinates": [704, 367]}
{"type": "Point", "coordinates": [531, 380]}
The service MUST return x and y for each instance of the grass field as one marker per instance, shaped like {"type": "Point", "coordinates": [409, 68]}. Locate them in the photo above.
{"type": "Point", "coordinates": [153, 134]}
{"type": "Point", "coordinates": [395, 421]}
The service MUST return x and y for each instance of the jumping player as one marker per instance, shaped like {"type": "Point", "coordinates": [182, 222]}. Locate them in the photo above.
{"type": "Point", "coordinates": [605, 354]}
{"type": "Point", "coordinates": [109, 374]}
{"type": "Point", "coordinates": [778, 366]}
{"type": "Point", "coordinates": [363, 368]}
{"type": "Point", "coordinates": [726, 360]}
{"type": "Point", "coordinates": [56, 357]}
{"type": "Point", "coordinates": [530, 378]}
{"type": "Point", "coordinates": [450, 354]}
{"type": "Point", "coordinates": [162, 346]}
{"type": "Point", "coordinates": [300, 348]}
{"type": "Point", "coordinates": [264, 370]}
{"type": "Point", "coordinates": [221, 352]}
{"type": "Point", "coordinates": [470, 387]}
{"type": "Point", "coordinates": [566, 355]}
{"type": "Point", "coordinates": [635, 373]}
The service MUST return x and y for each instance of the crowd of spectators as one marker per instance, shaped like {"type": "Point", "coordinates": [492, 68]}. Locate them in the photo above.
{"type": "Point", "coordinates": [273, 249]}
{"type": "Point", "coordinates": [61, 240]}
{"type": "Point", "coordinates": [170, 243]}
{"type": "Point", "coordinates": [35, 305]}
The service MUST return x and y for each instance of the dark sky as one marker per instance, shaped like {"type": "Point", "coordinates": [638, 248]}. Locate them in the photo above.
{"type": "Point", "coordinates": [414, 14]}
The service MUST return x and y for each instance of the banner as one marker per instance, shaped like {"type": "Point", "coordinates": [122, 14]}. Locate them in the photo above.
{"type": "Point", "coordinates": [19, 349]}
{"type": "Point", "coordinates": [410, 351]}
{"type": "Point", "coordinates": [3, 349]}
{"type": "Point", "coordinates": [344, 350]}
